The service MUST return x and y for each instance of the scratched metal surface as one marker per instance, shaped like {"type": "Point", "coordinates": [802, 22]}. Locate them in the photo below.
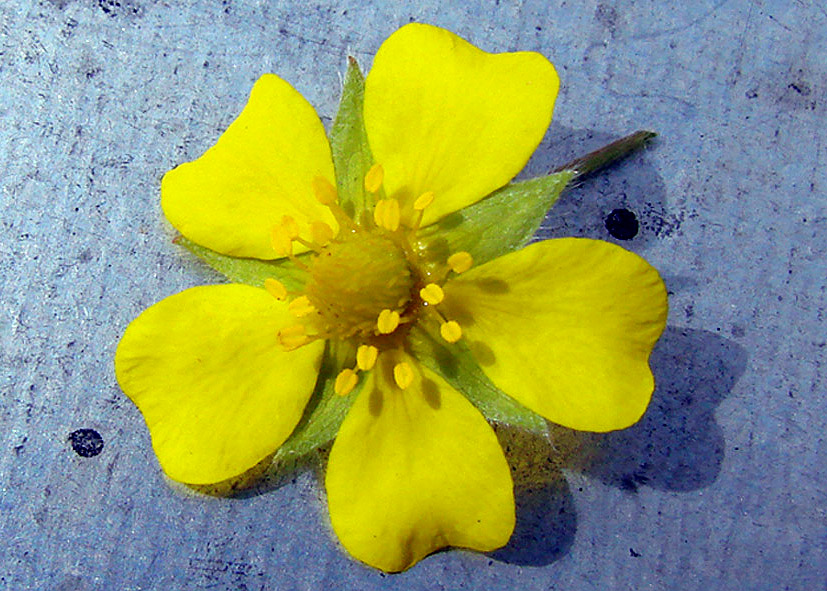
{"type": "Point", "coordinates": [721, 486]}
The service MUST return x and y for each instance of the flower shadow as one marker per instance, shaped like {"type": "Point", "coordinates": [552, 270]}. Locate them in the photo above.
{"type": "Point", "coordinates": [546, 518]}
{"type": "Point", "coordinates": [676, 446]}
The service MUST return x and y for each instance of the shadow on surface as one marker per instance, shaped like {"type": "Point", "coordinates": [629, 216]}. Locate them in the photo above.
{"type": "Point", "coordinates": [546, 519]}
{"type": "Point", "coordinates": [676, 446]}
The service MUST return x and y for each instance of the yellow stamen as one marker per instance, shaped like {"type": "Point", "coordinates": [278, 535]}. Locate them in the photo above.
{"type": "Point", "coordinates": [345, 382]}
{"type": "Point", "coordinates": [423, 201]}
{"type": "Point", "coordinates": [386, 214]}
{"type": "Point", "coordinates": [300, 307]}
{"type": "Point", "coordinates": [374, 178]}
{"type": "Point", "coordinates": [321, 233]}
{"type": "Point", "coordinates": [450, 331]}
{"type": "Point", "coordinates": [281, 242]}
{"type": "Point", "coordinates": [432, 294]}
{"type": "Point", "coordinates": [403, 375]}
{"type": "Point", "coordinates": [460, 262]}
{"type": "Point", "coordinates": [388, 321]}
{"type": "Point", "coordinates": [366, 357]}
{"type": "Point", "coordinates": [324, 190]}
{"type": "Point", "coordinates": [275, 288]}
{"type": "Point", "coordinates": [293, 337]}
{"type": "Point", "coordinates": [291, 227]}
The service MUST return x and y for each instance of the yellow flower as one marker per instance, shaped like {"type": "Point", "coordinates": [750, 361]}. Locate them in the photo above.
{"type": "Point", "coordinates": [222, 374]}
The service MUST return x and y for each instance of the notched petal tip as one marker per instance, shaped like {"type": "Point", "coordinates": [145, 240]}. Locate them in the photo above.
{"type": "Point", "coordinates": [216, 391]}
{"type": "Point", "coordinates": [444, 116]}
{"type": "Point", "coordinates": [260, 169]}
{"type": "Point", "coordinates": [431, 472]}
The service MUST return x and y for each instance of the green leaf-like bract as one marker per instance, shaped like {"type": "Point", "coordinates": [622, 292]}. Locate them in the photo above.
{"type": "Point", "coordinates": [501, 223]}
{"type": "Point", "coordinates": [457, 366]}
{"type": "Point", "coordinates": [326, 409]}
{"type": "Point", "coordinates": [250, 271]}
{"type": "Point", "coordinates": [349, 145]}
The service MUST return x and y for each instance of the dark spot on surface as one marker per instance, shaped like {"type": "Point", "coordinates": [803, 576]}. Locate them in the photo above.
{"type": "Point", "coordinates": [18, 449]}
{"type": "Point", "coordinates": [606, 16]}
{"type": "Point", "coordinates": [801, 88]}
{"type": "Point", "coordinates": [87, 443]}
{"type": "Point", "coordinates": [633, 553]}
{"type": "Point", "coordinates": [622, 224]}
{"type": "Point", "coordinates": [115, 8]}
{"type": "Point", "coordinates": [737, 331]}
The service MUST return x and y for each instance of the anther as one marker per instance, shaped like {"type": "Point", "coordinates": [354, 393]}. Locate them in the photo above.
{"type": "Point", "coordinates": [460, 262]}
{"type": "Point", "coordinates": [374, 178]}
{"type": "Point", "coordinates": [293, 337]}
{"type": "Point", "coordinates": [423, 201]}
{"type": "Point", "coordinates": [345, 382]}
{"type": "Point", "coordinates": [301, 307]}
{"type": "Point", "coordinates": [451, 331]}
{"type": "Point", "coordinates": [432, 294]}
{"type": "Point", "coordinates": [324, 190]}
{"type": "Point", "coordinates": [403, 375]}
{"type": "Point", "coordinates": [386, 214]}
{"type": "Point", "coordinates": [387, 322]}
{"type": "Point", "coordinates": [281, 242]}
{"type": "Point", "coordinates": [366, 357]}
{"type": "Point", "coordinates": [321, 233]}
{"type": "Point", "coordinates": [275, 288]}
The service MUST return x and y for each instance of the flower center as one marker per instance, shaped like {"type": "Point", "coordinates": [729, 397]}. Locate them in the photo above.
{"type": "Point", "coordinates": [366, 283]}
{"type": "Point", "coordinates": [357, 277]}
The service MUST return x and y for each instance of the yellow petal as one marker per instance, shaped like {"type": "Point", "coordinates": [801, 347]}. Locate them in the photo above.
{"type": "Point", "coordinates": [566, 327]}
{"type": "Point", "coordinates": [444, 116]}
{"type": "Point", "coordinates": [261, 169]}
{"type": "Point", "coordinates": [216, 389]}
{"type": "Point", "coordinates": [416, 470]}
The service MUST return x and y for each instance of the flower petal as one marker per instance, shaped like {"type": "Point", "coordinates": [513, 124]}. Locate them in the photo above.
{"type": "Point", "coordinates": [566, 327]}
{"type": "Point", "coordinates": [444, 116]}
{"type": "Point", "coordinates": [415, 470]}
{"type": "Point", "coordinates": [261, 169]}
{"type": "Point", "coordinates": [216, 390]}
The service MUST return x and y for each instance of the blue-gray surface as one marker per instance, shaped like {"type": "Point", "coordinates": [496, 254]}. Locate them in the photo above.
{"type": "Point", "coordinates": [721, 486]}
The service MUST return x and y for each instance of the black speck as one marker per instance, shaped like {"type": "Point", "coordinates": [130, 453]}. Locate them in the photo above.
{"type": "Point", "coordinates": [633, 553]}
{"type": "Point", "coordinates": [622, 224]}
{"type": "Point", "coordinates": [87, 443]}
{"type": "Point", "coordinates": [801, 88]}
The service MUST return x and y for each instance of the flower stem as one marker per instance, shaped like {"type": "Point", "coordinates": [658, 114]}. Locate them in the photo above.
{"type": "Point", "coordinates": [609, 154]}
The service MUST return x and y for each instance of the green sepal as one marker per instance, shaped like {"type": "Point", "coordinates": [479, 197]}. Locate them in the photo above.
{"type": "Point", "coordinates": [326, 410]}
{"type": "Point", "coordinates": [349, 145]}
{"type": "Point", "coordinates": [250, 271]}
{"type": "Point", "coordinates": [456, 364]}
{"type": "Point", "coordinates": [503, 222]}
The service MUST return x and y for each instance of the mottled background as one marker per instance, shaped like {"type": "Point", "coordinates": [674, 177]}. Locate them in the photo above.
{"type": "Point", "coordinates": [721, 486]}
